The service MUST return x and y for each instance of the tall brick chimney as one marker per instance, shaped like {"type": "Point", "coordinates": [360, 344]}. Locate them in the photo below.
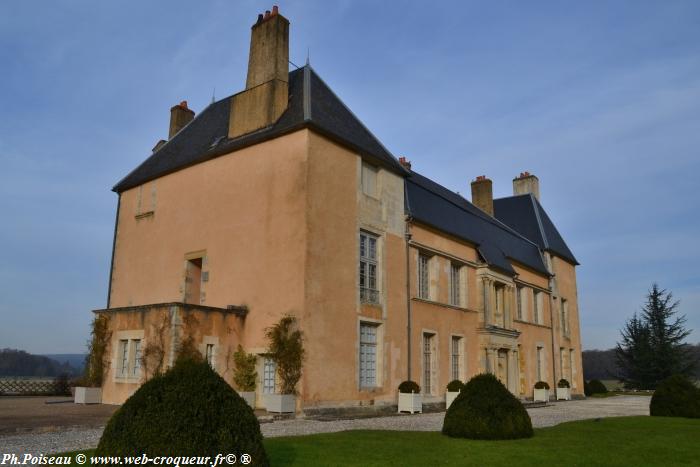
{"type": "Point", "coordinates": [526, 183]}
{"type": "Point", "coordinates": [482, 194]}
{"type": "Point", "coordinates": [180, 116]}
{"type": "Point", "coordinates": [267, 90]}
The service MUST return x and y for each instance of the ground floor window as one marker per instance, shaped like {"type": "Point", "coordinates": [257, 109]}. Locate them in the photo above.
{"type": "Point", "coordinates": [210, 354]}
{"type": "Point", "coordinates": [368, 355]}
{"type": "Point", "coordinates": [540, 363]}
{"type": "Point", "coordinates": [129, 361]}
{"type": "Point", "coordinates": [429, 364]}
{"type": "Point", "coordinates": [269, 375]}
{"type": "Point", "coordinates": [457, 358]}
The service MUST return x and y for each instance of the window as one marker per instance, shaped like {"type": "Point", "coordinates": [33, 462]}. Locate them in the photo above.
{"type": "Point", "coordinates": [129, 358]}
{"type": "Point", "coordinates": [193, 281]}
{"type": "Point", "coordinates": [428, 363]}
{"type": "Point", "coordinates": [456, 363]}
{"type": "Point", "coordinates": [540, 352]}
{"type": "Point", "coordinates": [572, 368]}
{"type": "Point", "coordinates": [565, 317]}
{"type": "Point", "coordinates": [137, 358]}
{"type": "Point", "coordinates": [123, 357]}
{"type": "Point", "coordinates": [537, 310]}
{"type": "Point", "coordinates": [368, 355]}
{"type": "Point", "coordinates": [455, 283]}
{"type": "Point", "coordinates": [210, 354]}
{"type": "Point", "coordinates": [369, 292]}
{"type": "Point", "coordinates": [423, 276]}
{"type": "Point", "coordinates": [499, 306]}
{"type": "Point", "coordinates": [269, 375]}
{"type": "Point", "coordinates": [519, 300]}
{"type": "Point", "coordinates": [369, 180]}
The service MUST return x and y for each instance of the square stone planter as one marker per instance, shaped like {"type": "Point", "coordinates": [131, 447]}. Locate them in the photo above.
{"type": "Point", "coordinates": [563, 394]}
{"type": "Point", "coordinates": [449, 398]}
{"type": "Point", "coordinates": [411, 403]}
{"type": "Point", "coordinates": [541, 395]}
{"type": "Point", "coordinates": [85, 395]}
{"type": "Point", "coordinates": [249, 397]}
{"type": "Point", "coordinates": [280, 403]}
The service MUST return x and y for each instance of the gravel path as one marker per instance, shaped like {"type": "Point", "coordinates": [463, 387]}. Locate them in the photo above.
{"type": "Point", "coordinates": [553, 414]}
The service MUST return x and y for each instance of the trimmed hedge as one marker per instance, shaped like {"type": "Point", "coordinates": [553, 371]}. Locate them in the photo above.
{"type": "Point", "coordinates": [595, 386]}
{"type": "Point", "coordinates": [542, 385]}
{"type": "Point", "coordinates": [676, 396]}
{"type": "Point", "coordinates": [188, 411]}
{"type": "Point", "coordinates": [563, 384]}
{"type": "Point", "coordinates": [408, 387]}
{"type": "Point", "coordinates": [455, 386]}
{"type": "Point", "coordinates": [485, 409]}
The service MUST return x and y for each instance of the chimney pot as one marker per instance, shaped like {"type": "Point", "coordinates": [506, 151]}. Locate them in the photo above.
{"type": "Point", "coordinates": [267, 15]}
{"type": "Point", "coordinates": [275, 10]}
{"type": "Point", "coordinates": [260, 19]}
{"type": "Point", "coordinates": [405, 163]}
{"type": "Point", "coordinates": [482, 194]}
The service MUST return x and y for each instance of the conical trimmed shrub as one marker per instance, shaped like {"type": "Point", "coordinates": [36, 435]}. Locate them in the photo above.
{"type": "Point", "coordinates": [188, 411]}
{"type": "Point", "coordinates": [676, 396]}
{"type": "Point", "coordinates": [485, 409]}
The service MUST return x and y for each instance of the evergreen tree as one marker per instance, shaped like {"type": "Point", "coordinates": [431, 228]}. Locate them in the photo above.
{"type": "Point", "coordinates": [652, 347]}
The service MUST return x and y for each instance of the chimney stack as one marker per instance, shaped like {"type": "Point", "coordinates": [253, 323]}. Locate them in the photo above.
{"type": "Point", "coordinates": [482, 194]}
{"type": "Point", "coordinates": [180, 116]}
{"type": "Point", "coordinates": [266, 93]}
{"type": "Point", "coordinates": [405, 163]}
{"type": "Point", "coordinates": [526, 183]}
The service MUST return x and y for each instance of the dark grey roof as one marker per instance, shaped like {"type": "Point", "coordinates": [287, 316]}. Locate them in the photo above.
{"type": "Point", "coordinates": [312, 104]}
{"type": "Point", "coordinates": [525, 214]}
{"type": "Point", "coordinates": [498, 244]}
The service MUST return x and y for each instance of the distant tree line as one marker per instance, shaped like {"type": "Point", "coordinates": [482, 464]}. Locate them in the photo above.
{"type": "Point", "coordinates": [601, 364]}
{"type": "Point", "coordinates": [20, 363]}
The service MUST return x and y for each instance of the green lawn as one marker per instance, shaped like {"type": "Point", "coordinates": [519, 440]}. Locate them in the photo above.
{"type": "Point", "coordinates": [624, 441]}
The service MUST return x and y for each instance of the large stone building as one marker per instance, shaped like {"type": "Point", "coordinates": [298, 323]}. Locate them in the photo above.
{"type": "Point", "coordinates": [279, 200]}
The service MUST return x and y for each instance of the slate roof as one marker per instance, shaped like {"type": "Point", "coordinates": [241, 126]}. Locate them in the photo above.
{"type": "Point", "coordinates": [498, 244]}
{"type": "Point", "coordinates": [525, 214]}
{"type": "Point", "coordinates": [311, 104]}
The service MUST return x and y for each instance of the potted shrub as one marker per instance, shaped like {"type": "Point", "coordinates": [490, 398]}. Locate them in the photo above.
{"type": "Point", "coordinates": [410, 398]}
{"type": "Point", "coordinates": [453, 389]}
{"type": "Point", "coordinates": [541, 392]}
{"type": "Point", "coordinates": [244, 375]}
{"type": "Point", "coordinates": [563, 390]}
{"type": "Point", "coordinates": [96, 363]}
{"type": "Point", "coordinates": [287, 351]}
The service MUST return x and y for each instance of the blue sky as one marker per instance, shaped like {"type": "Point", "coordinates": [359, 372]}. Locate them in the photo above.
{"type": "Point", "coordinates": [601, 100]}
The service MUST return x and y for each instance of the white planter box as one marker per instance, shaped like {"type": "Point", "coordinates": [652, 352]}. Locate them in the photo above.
{"type": "Point", "coordinates": [563, 394]}
{"type": "Point", "coordinates": [411, 403]}
{"type": "Point", "coordinates": [88, 395]}
{"type": "Point", "coordinates": [449, 398]}
{"type": "Point", "coordinates": [249, 397]}
{"type": "Point", "coordinates": [541, 395]}
{"type": "Point", "coordinates": [281, 403]}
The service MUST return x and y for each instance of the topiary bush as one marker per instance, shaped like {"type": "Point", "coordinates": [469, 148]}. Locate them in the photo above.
{"type": "Point", "coordinates": [675, 396]}
{"type": "Point", "coordinates": [485, 409]}
{"type": "Point", "coordinates": [187, 411]}
{"type": "Point", "coordinates": [455, 386]}
{"type": "Point", "coordinates": [596, 386]}
{"type": "Point", "coordinates": [408, 387]}
{"type": "Point", "coordinates": [542, 385]}
{"type": "Point", "coordinates": [563, 383]}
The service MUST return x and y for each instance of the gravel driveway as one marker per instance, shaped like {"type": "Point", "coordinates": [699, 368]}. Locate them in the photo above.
{"type": "Point", "coordinates": [553, 414]}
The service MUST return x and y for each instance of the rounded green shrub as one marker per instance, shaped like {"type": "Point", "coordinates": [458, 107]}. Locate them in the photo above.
{"type": "Point", "coordinates": [187, 411]}
{"type": "Point", "coordinates": [455, 386]}
{"type": "Point", "coordinates": [675, 396]}
{"type": "Point", "coordinates": [542, 385]}
{"type": "Point", "coordinates": [586, 388]}
{"type": "Point", "coordinates": [485, 409]}
{"type": "Point", "coordinates": [563, 383]}
{"type": "Point", "coordinates": [596, 386]}
{"type": "Point", "coordinates": [408, 387]}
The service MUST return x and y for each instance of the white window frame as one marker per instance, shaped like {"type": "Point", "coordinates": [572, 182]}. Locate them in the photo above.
{"type": "Point", "coordinates": [123, 358]}
{"type": "Point", "coordinates": [368, 271]}
{"type": "Point", "coordinates": [368, 363]}
{"type": "Point", "coordinates": [429, 353]}
{"type": "Point", "coordinates": [127, 356]}
{"type": "Point", "coordinates": [269, 375]}
{"type": "Point", "coordinates": [457, 357]}
{"type": "Point", "coordinates": [423, 271]}
{"type": "Point", "coordinates": [137, 355]}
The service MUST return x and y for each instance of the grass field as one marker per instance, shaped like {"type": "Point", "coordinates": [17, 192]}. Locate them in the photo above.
{"type": "Point", "coordinates": [624, 441]}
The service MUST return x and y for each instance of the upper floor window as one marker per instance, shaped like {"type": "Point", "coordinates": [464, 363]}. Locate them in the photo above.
{"type": "Point", "coordinates": [519, 300]}
{"type": "Point", "coordinates": [455, 284]}
{"type": "Point", "coordinates": [369, 291]}
{"type": "Point", "coordinates": [423, 276]}
{"type": "Point", "coordinates": [369, 180]}
{"type": "Point", "coordinates": [537, 311]}
{"type": "Point", "coordinates": [565, 317]}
